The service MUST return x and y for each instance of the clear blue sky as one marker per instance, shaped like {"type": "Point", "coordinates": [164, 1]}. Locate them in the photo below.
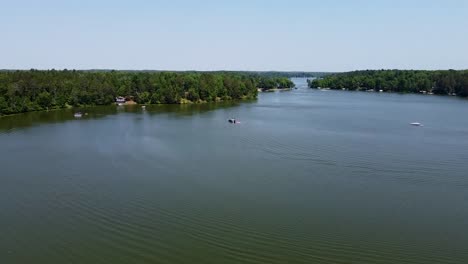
{"type": "Point", "coordinates": [307, 35]}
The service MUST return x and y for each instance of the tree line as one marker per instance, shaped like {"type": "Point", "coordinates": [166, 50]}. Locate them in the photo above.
{"type": "Point", "coordinates": [405, 81]}
{"type": "Point", "coordinates": [288, 74]}
{"type": "Point", "coordinates": [34, 90]}
{"type": "Point", "coordinates": [268, 74]}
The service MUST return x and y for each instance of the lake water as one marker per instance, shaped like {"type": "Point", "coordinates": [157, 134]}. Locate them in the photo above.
{"type": "Point", "coordinates": [308, 176]}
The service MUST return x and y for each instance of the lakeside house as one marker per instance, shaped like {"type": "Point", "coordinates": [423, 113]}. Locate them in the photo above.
{"type": "Point", "coordinates": [120, 100]}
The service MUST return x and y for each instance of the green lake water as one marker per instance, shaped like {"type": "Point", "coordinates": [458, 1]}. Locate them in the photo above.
{"type": "Point", "coordinates": [308, 176]}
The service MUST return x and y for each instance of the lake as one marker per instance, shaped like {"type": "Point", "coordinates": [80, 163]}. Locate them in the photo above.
{"type": "Point", "coordinates": [308, 176]}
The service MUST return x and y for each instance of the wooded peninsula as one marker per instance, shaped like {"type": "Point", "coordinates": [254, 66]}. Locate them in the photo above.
{"type": "Point", "coordinates": [35, 90]}
{"type": "Point", "coordinates": [449, 82]}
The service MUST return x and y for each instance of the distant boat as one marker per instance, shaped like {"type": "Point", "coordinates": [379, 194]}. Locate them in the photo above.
{"type": "Point", "coordinates": [143, 107]}
{"type": "Point", "coordinates": [416, 124]}
{"type": "Point", "coordinates": [78, 115]}
{"type": "Point", "coordinates": [233, 121]}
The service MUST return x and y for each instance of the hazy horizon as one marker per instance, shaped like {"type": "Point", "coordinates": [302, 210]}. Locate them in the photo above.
{"type": "Point", "coordinates": [257, 35]}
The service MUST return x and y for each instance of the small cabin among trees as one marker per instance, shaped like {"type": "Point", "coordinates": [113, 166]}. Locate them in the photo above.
{"type": "Point", "coordinates": [120, 100]}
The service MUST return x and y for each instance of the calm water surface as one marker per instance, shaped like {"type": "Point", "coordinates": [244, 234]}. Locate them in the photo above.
{"type": "Point", "coordinates": [307, 177]}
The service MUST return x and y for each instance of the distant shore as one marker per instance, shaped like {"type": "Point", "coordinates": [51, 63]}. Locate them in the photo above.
{"type": "Point", "coordinates": [449, 82]}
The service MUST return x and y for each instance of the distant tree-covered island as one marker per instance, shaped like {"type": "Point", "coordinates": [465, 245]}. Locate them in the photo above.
{"type": "Point", "coordinates": [278, 83]}
{"type": "Point", "coordinates": [35, 90]}
{"type": "Point", "coordinates": [448, 82]}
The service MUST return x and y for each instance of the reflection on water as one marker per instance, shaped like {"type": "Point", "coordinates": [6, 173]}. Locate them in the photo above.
{"type": "Point", "coordinates": [56, 116]}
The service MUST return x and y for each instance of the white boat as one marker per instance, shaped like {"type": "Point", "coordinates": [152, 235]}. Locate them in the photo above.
{"type": "Point", "coordinates": [78, 115]}
{"type": "Point", "coordinates": [416, 124]}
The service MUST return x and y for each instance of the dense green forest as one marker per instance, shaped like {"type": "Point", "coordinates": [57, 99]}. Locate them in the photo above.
{"type": "Point", "coordinates": [406, 81]}
{"type": "Point", "coordinates": [33, 90]}
{"type": "Point", "coordinates": [268, 74]}
{"type": "Point", "coordinates": [278, 74]}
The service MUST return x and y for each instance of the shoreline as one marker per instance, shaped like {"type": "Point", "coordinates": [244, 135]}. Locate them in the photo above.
{"type": "Point", "coordinates": [133, 104]}
{"type": "Point", "coordinates": [389, 92]}
{"type": "Point", "coordinates": [260, 90]}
